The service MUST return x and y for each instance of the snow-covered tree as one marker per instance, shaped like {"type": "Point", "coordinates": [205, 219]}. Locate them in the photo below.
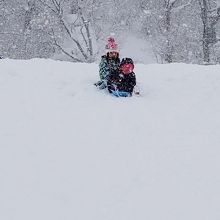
{"type": "Point", "coordinates": [178, 30]}
{"type": "Point", "coordinates": [73, 34]}
{"type": "Point", "coordinates": [19, 37]}
{"type": "Point", "coordinates": [172, 27]}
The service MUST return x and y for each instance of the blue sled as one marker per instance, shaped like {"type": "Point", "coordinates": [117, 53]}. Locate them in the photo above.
{"type": "Point", "coordinates": [120, 93]}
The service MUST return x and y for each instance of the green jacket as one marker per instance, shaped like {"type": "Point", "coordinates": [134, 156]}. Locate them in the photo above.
{"type": "Point", "coordinates": [106, 66]}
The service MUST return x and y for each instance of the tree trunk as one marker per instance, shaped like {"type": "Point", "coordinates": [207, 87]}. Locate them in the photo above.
{"type": "Point", "coordinates": [168, 52]}
{"type": "Point", "coordinates": [205, 39]}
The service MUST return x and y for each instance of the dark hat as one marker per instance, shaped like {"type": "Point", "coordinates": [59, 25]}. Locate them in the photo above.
{"type": "Point", "coordinates": [126, 60]}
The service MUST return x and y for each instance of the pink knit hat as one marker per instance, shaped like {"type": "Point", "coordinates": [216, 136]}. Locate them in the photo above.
{"type": "Point", "coordinates": [111, 45]}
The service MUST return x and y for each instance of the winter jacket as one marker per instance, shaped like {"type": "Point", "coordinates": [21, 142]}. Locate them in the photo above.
{"type": "Point", "coordinates": [121, 82]}
{"type": "Point", "coordinates": [107, 66]}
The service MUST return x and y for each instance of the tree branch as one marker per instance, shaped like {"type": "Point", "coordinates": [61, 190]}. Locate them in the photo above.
{"type": "Point", "coordinates": [58, 13]}
{"type": "Point", "coordinates": [47, 5]}
{"type": "Point", "coordinates": [64, 51]}
{"type": "Point", "coordinates": [74, 40]}
{"type": "Point", "coordinates": [86, 25]}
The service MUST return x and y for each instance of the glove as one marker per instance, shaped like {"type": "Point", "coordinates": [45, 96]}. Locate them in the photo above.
{"type": "Point", "coordinates": [102, 85]}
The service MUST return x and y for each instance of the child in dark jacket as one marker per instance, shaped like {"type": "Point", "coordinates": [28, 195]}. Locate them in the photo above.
{"type": "Point", "coordinates": [109, 62]}
{"type": "Point", "coordinates": [121, 82]}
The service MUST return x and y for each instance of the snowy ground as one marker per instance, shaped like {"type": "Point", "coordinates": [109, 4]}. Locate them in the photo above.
{"type": "Point", "coordinates": [70, 152]}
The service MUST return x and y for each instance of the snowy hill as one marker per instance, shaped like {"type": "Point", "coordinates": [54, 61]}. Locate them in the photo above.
{"type": "Point", "coordinates": [70, 152]}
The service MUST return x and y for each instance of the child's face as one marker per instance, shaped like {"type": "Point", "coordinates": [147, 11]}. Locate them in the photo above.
{"type": "Point", "coordinates": [113, 54]}
{"type": "Point", "coordinates": [127, 68]}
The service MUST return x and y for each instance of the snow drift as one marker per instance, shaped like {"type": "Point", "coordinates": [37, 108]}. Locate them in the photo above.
{"type": "Point", "coordinates": [69, 151]}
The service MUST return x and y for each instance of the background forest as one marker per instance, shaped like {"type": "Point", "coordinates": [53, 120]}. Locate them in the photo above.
{"type": "Point", "coordinates": [162, 31]}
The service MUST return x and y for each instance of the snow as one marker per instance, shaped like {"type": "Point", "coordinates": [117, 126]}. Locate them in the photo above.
{"type": "Point", "coordinates": [69, 151]}
{"type": "Point", "coordinates": [138, 49]}
{"type": "Point", "coordinates": [147, 12]}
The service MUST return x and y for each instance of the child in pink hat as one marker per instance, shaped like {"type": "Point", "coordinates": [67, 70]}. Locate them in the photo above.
{"type": "Point", "coordinates": [109, 62]}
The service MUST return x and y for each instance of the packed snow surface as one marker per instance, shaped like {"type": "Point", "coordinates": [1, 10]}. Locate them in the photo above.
{"type": "Point", "coordinates": [71, 152]}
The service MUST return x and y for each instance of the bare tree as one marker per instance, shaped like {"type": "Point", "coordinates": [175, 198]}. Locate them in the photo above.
{"type": "Point", "coordinates": [77, 28]}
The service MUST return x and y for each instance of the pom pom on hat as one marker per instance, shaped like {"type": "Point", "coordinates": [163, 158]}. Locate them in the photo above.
{"type": "Point", "coordinates": [111, 45]}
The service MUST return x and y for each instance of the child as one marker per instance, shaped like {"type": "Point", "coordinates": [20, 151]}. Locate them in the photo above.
{"type": "Point", "coordinates": [109, 63]}
{"type": "Point", "coordinates": [122, 81]}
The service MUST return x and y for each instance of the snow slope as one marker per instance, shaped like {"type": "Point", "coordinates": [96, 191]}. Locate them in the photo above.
{"type": "Point", "coordinates": [70, 152]}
